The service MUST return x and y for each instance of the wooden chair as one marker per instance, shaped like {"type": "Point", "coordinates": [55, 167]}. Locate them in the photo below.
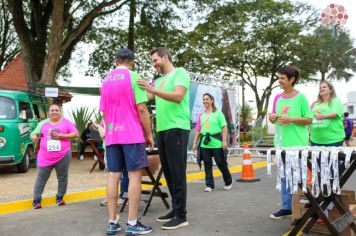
{"type": "Point", "coordinates": [155, 191]}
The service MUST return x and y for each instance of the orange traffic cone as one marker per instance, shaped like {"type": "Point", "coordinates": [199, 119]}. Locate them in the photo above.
{"type": "Point", "coordinates": [310, 177]}
{"type": "Point", "coordinates": [247, 174]}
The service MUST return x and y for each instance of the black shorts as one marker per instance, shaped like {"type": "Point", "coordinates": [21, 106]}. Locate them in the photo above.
{"type": "Point", "coordinates": [347, 137]}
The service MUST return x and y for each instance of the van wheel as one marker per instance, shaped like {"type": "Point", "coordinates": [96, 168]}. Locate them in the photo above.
{"type": "Point", "coordinates": [22, 167]}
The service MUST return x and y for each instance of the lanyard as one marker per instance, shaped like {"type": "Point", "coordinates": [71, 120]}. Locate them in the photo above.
{"type": "Point", "coordinates": [315, 183]}
{"type": "Point", "coordinates": [325, 172]}
{"type": "Point", "coordinates": [269, 163]}
{"type": "Point", "coordinates": [304, 166]}
{"type": "Point", "coordinates": [335, 164]}
{"type": "Point", "coordinates": [280, 168]}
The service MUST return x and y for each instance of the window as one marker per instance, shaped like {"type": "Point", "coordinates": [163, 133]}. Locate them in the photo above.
{"type": "Point", "coordinates": [350, 109]}
{"type": "Point", "coordinates": [25, 110]}
{"type": "Point", "coordinates": [7, 108]}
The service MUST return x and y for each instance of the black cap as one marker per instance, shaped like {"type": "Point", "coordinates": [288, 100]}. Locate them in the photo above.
{"type": "Point", "coordinates": [125, 54]}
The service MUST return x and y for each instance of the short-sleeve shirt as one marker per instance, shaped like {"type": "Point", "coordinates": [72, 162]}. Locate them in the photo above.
{"type": "Point", "coordinates": [49, 158]}
{"type": "Point", "coordinates": [171, 115]}
{"type": "Point", "coordinates": [348, 125]}
{"type": "Point", "coordinates": [212, 123]}
{"type": "Point", "coordinates": [328, 131]}
{"type": "Point", "coordinates": [120, 94]}
{"type": "Point", "coordinates": [294, 106]}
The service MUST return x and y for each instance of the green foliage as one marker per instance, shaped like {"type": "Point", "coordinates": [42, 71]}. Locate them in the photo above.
{"type": "Point", "coordinates": [250, 40]}
{"type": "Point", "coordinates": [247, 137]}
{"type": "Point", "coordinates": [245, 114]}
{"type": "Point", "coordinates": [81, 116]}
{"type": "Point", "coordinates": [327, 55]}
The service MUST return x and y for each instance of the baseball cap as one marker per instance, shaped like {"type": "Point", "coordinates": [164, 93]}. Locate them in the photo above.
{"type": "Point", "coordinates": [125, 54]}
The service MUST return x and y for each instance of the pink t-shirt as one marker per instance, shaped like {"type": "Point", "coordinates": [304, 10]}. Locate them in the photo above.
{"type": "Point", "coordinates": [48, 158]}
{"type": "Point", "coordinates": [119, 96]}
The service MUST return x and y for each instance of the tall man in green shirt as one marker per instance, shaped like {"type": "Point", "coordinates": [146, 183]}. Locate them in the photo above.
{"type": "Point", "coordinates": [291, 114]}
{"type": "Point", "coordinates": [171, 94]}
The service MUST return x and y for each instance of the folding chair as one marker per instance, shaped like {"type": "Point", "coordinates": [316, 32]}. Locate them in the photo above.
{"type": "Point", "coordinates": [147, 195]}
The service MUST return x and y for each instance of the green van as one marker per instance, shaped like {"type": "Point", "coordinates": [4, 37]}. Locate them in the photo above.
{"type": "Point", "coordinates": [19, 114]}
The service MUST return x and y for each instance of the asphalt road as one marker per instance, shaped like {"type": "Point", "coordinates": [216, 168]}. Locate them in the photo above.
{"type": "Point", "coordinates": [244, 210]}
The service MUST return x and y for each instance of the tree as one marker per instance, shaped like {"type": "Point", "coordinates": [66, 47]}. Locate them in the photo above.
{"type": "Point", "coordinates": [331, 57]}
{"type": "Point", "coordinates": [151, 24]}
{"type": "Point", "coordinates": [9, 45]}
{"type": "Point", "coordinates": [250, 40]}
{"type": "Point", "coordinates": [49, 30]}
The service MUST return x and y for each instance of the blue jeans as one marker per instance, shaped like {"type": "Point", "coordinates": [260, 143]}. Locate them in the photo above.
{"type": "Point", "coordinates": [286, 197]}
{"type": "Point", "coordinates": [124, 183]}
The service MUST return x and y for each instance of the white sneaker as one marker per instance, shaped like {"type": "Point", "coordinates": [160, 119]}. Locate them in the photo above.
{"type": "Point", "coordinates": [208, 189]}
{"type": "Point", "coordinates": [81, 157]}
{"type": "Point", "coordinates": [228, 187]}
{"type": "Point", "coordinates": [95, 158]}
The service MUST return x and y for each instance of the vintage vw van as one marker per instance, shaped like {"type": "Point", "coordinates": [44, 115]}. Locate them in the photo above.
{"type": "Point", "coordinates": [19, 114]}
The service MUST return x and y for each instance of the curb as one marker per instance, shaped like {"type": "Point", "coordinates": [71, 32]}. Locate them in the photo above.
{"type": "Point", "coordinates": [23, 205]}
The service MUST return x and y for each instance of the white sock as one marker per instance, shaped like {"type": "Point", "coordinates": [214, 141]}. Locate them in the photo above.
{"type": "Point", "coordinates": [113, 221]}
{"type": "Point", "coordinates": [132, 222]}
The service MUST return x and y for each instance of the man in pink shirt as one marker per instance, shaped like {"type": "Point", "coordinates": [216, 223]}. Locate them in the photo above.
{"type": "Point", "coordinates": [123, 104]}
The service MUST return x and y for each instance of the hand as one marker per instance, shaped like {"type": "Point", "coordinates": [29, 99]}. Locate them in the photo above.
{"type": "Point", "coordinates": [194, 147]}
{"type": "Point", "coordinates": [318, 116]}
{"type": "Point", "coordinates": [272, 117]}
{"type": "Point", "coordinates": [57, 136]}
{"type": "Point", "coordinates": [224, 145]}
{"type": "Point", "coordinates": [284, 120]}
{"type": "Point", "coordinates": [35, 138]}
{"type": "Point", "coordinates": [149, 143]}
{"type": "Point", "coordinates": [145, 85]}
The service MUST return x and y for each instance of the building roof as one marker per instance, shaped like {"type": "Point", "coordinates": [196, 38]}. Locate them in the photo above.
{"type": "Point", "coordinates": [12, 77]}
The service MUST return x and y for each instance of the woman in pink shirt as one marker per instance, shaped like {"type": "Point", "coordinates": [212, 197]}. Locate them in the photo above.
{"type": "Point", "coordinates": [54, 135]}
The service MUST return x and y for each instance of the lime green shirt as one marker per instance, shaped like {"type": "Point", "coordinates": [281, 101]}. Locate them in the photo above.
{"type": "Point", "coordinates": [212, 123]}
{"type": "Point", "coordinates": [328, 131]}
{"type": "Point", "coordinates": [171, 115]}
{"type": "Point", "coordinates": [292, 134]}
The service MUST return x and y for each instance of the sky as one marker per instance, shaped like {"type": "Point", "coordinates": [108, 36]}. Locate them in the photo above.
{"type": "Point", "coordinates": [310, 90]}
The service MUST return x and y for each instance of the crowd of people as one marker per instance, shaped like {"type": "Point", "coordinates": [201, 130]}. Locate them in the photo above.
{"type": "Point", "coordinates": [126, 131]}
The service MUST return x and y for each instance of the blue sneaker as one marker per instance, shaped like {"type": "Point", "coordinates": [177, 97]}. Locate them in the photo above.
{"type": "Point", "coordinates": [282, 213]}
{"type": "Point", "coordinates": [113, 228]}
{"type": "Point", "coordinates": [139, 228]}
{"type": "Point", "coordinates": [36, 204]}
{"type": "Point", "coordinates": [60, 201]}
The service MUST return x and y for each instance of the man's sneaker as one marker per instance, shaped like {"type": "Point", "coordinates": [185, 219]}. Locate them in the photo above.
{"type": "Point", "coordinates": [59, 201]}
{"type": "Point", "coordinates": [113, 228]}
{"type": "Point", "coordinates": [36, 204]}
{"type": "Point", "coordinates": [282, 213]}
{"type": "Point", "coordinates": [175, 223]}
{"type": "Point", "coordinates": [208, 189]}
{"type": "Point", "coordinates": [139, 228]}
{"type": "Point", "coordinates": [95, 158]}
{"type": "Point", "coordinates": [81, 157]}
{"type": "Point", "coordinates": [166, 217]}
{"type": "Point", "coordinates": [228, 187]}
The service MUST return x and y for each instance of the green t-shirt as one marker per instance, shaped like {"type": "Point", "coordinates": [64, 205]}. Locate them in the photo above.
{"type": "Point", "coordinates": [171, 115]}
{"type": "Point", "coordinates": [328, 131]}
{"type": "Point", "coordinates": [292, 134]}
{"type": "Point", "coordinates": [37, 130]}
{"type": "Point", "coordinates": [211, 123]}
{"type": "Point", "coordinates": [139, 93]}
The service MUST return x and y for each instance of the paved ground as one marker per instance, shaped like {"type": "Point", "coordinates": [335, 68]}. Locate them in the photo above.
{"type": "Point", "coordinates": [244, 210]}
{"type": "Point", "coordinates": [15, 186]}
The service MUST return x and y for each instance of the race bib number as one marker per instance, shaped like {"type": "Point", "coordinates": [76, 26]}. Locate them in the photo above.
{"type": "Point", "coordinates": [53, 145]}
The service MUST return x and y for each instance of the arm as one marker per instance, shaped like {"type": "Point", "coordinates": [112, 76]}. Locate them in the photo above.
{"type": "Point", "coordinates": [67, 136]}
{"type": "Point", "coordinates": [175, 96]}
{"type": "Point", "coordinates": [286, 120]}
{"type": "Point", "coordinates": [196, 137]}
{"type": "Point", "coordinates": [320, 116]}
{"type": "Point", "coordinates": [224, 137]}
{"type": "Point", "coordinates": [145, 122]}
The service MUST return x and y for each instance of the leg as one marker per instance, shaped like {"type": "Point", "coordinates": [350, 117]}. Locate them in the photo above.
{"type": "Point", "coordinates": [208, 167]}
{"type": "Point", "coordinates": [83, 145]}
{"type": "Point", "coordinates": [124, 183]}
{"type": "Point", "coordinates": [176, 145]}
{"type": "Point", "coordinates": [62, 169]}
{"type": "Point", "coordinates": [41, 180]}
{"type": "Point", "coordinates": [134, 193]}
{"type": "Point", "coordinates": [286, 197]}
{"type": "Point", "coordinates": [111, 193]}
{"type": "Point", "coordinates": [221, 162]}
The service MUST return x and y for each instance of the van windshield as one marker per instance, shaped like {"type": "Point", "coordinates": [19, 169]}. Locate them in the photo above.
{"type": "Point", "coordinates": [7, 108]}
